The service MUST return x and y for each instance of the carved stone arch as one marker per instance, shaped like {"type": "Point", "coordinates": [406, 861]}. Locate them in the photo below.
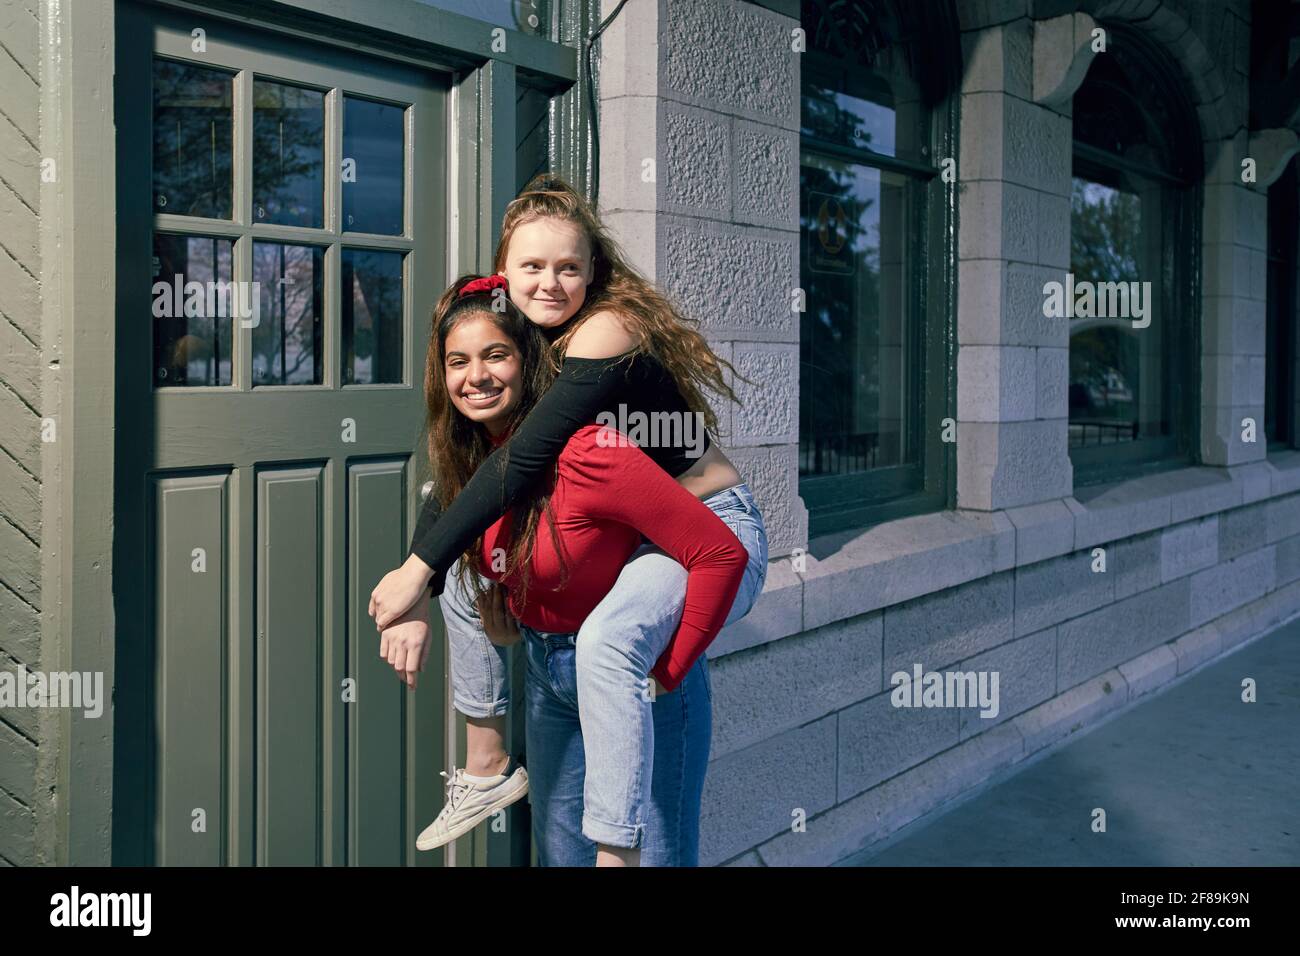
{"type": "Point", "coordinates": [1136, 83]}
{"type": "Point", "coordinates": [1199, 73]}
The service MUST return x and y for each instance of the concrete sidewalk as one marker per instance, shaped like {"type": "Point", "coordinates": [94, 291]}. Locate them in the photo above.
{"type": "Point", "coordinates": [1190, 777]}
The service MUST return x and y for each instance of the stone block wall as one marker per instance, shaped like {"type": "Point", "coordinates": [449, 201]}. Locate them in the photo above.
{"type": "Point", "coordinates": [805, 728]}
{"type": "Point", "coordinates": [1080, 599]}
{"type": "Point", "coordinates": [699, 118]}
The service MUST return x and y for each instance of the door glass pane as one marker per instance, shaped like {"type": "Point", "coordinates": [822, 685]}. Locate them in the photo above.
{"type": "Point", "coordinates": [192, 108]}
{"type": "Point", "coordinates": [373, 184]}
{"type": "Point", "coordinates": [288, 337]}
{"type": "Point", "coordinates": [1117, 370]}
{"type": "Point", "coordinates": [857, 393]}
{"type": "Point", "coordinates": [193, 299]}
{"type": "Point", "coordinates": [372, 317]}
{"type": "Point", "coordinates": [288, 155]}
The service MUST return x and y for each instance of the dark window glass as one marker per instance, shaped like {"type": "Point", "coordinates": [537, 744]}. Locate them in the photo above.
{"type": "Point", "coordinates": [1120, 110]}
{"type": "Point", "coordinates": [192, 109]}
{"type": "Point", "coordinates": [1131, 313]}
{"type": "Point", "coordinates": [1116, 369]}
{"type": "Point", "coordinates": [193, 301]}
{"type": "Point", "coordinates": [287, 337]}
{"type": "Point", "coordinates": [288, 155]}
{"type": "Point", "coordinates": [857, 394]}
{"type": "Point", "coordinates": [851, 108]}
{"type": "Point", "coordinates": [372, 317]}
{"type": "Point", "coordinates": [865, 178]}
{"type": "Point", "coordinates": [373, 183]}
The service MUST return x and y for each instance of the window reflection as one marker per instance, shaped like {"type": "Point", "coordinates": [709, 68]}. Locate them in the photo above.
{"type": "Point", "coordinates": [288, 155]}
{"type": "Point", "coordinates": [1133, 366]}
{"type": "Point", "coordinates": [373, 186]}
{"type": "Point", "coordinates": [1110, 360]}
{"type": "Point", "coordinates": [287, 339]}
{"type": "Point", "coordinates": [192, 301]}
{"type": "Point", "coordinates": [856, 391]}
{"type": "Point", "coordinates": [840, 117]}
{"type": "Point", "coordinates": [880, 111]}
{"type": "Point", "coordinates": [191, 140]}
{"type": "Point", "coordinates": [372, 317]}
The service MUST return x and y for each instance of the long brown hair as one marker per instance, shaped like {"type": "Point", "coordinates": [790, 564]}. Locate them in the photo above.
{"type": "Point", "coordinates": [660, 328]}
{"type": "Point", "coordinates": [457, 445]}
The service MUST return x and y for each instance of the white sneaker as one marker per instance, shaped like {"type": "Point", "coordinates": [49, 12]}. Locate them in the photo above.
{"type": "Point", "coordinates": [469, 803]}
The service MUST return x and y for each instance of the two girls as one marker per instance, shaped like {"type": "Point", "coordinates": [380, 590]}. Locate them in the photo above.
{"type": "Point", "coordinates": [621, 344]}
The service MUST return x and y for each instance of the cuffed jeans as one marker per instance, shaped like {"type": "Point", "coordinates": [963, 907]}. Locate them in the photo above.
{"type": "Point", "coordinates": [557, 761]}
{"type": "Point", "coordinates": [612, 653]}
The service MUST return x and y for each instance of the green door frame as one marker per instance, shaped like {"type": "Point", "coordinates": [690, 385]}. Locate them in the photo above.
{"type": "Point", "coordinates": [81, 296]}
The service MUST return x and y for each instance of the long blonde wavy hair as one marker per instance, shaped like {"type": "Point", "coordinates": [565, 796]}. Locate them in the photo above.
{"type": "Point", "coordinates": [650, 316]}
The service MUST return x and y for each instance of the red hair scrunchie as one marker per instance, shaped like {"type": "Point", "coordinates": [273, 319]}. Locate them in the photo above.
{"type": "Point", "coordinates": [483, 284]}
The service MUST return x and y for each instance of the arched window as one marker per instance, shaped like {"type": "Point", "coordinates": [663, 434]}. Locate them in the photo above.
{"type": "Point", "coordinates": [1134, 253]}
{"type": "Point", "coordinates": [875, 128]}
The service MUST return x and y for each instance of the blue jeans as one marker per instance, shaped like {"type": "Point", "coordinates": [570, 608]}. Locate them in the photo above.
{"type": "Point", "coordinates": [613, 652]}
{"type": "Point", "coordinates": [683, 726]}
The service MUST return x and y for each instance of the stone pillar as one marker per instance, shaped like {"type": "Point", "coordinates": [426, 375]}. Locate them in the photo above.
{"type": "Point", "coordinates": [1014, 207]}
{"type": "Point", "coordinates": [1235, 269]}
{"type": "Point", "coordinates": [699, 179]}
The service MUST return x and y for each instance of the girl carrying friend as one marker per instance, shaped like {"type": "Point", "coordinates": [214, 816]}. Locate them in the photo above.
{"type": "Point", "coordinates": [624, 349]}
{"type": "Point", "coordinates": [558, 551]}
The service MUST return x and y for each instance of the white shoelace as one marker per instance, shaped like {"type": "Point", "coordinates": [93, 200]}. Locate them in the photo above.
{"type": "Point", "coordinates": [455, 790]}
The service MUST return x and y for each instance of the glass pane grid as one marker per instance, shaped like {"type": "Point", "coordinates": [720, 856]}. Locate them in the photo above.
{"type": "Point", "coordinates": [277, 244]}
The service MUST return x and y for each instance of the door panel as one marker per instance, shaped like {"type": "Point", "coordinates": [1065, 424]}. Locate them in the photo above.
{"type": "Point", "coordinates": [190, 581]}
{"type": "Point", "coordinates": [289, 701]}
{"type": "Point", "coordinates": [375, 776]}
{"type": "Point", "coordinates": [282, 239]}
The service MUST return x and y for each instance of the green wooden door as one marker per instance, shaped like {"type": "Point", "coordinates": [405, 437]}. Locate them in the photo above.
{"type": "Point", "coordinates": [282, 239]}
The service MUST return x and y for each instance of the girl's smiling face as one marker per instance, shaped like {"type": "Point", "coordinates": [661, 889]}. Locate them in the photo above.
{"type": "Point", "coordinates": [484, 372]}
{"type": "Point", "coordinates": [548, 268]}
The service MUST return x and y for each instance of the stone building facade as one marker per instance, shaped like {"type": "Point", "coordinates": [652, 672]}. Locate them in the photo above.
{"type": "Point", "coordinates": [1198, 558]}
{"type": "Point", "coordinates": [996, 539]}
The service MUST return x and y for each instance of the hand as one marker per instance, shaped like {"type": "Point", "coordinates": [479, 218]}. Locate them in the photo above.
{"type": "Point", "coordinates": [498, 625]}
{"type": "Point", "coordinates": [659, 688]}
{"type": "Point", "coordinates": [398, 591]}
{"type": "Point", "coordinates": [405, 643]}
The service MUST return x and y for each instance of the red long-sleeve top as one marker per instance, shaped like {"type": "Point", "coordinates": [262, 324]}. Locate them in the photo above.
{"type": "Point", "coordinates": [607, 495]}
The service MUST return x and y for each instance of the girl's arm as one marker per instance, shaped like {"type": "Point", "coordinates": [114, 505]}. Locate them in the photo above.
{"type": "Point", "coordinates": [430, 512]}
{"type": "Point", "coordinates": [620, 482]}
{"type": "Point", "coordinates": [584, 388]}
